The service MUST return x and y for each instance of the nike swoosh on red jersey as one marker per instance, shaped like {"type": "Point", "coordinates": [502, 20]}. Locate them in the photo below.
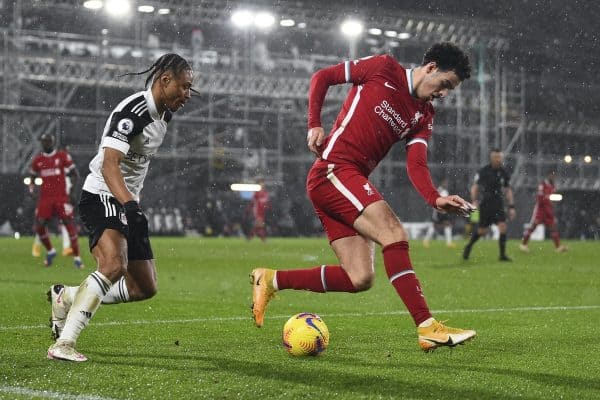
{"type": "Point", "coordinates": [387, 84]}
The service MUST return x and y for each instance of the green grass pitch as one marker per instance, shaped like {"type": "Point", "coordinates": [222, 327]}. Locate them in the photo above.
{"type": "Point", "coordinates": [537, 322]}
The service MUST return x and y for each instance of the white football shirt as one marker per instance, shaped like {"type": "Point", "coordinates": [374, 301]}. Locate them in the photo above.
{"type": "Point", "coordinates": [135, 129]}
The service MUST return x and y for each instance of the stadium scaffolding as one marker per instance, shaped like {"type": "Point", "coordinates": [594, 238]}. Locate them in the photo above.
{"type": "Point", "coordinates": [247, 111]}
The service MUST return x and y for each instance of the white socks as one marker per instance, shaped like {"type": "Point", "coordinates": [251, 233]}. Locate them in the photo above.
{"type": "Point", "coordinates": [85, 304]}
{"type": "Point", "coordinates": [66, 242]}
{"type": "Point", "coordinates": [423, 324]}
{"type": "Point", "coordinates": [429, 233]}
{"type": "Point", "coordinates": [118, 293]}
{"type": "Point", "coordinates": [448, 234]}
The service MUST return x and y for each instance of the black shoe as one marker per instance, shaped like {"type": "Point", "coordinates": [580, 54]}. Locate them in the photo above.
{"type": "Point", "coordinates": [505, 258]}
{"type": "Point", "coordinates": [466, 252]}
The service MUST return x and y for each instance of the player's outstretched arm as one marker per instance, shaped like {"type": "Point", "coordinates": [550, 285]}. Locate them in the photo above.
{"type": "Point", "coordinates": [418, 172]}
{"type": "Point", "coordinates": [455, 205]}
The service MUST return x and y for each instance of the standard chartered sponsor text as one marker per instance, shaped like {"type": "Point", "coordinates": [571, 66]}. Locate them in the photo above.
{"type": "Point", "coordinates": [392, 117]}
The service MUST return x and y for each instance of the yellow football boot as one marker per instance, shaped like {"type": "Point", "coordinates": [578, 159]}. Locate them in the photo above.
{"type": "Point", "coordinates": [437, 334]}
{"type": "Point", "coordinates": [262, 292]}
{"type": "Point", "coordinates": [36, 249]}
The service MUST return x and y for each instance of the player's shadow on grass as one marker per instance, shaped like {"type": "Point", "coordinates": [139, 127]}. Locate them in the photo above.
{"type": "Point", "coordinates": [396, 361]}
{"type": "Point", "coordinates": [544, 379]}
{"type": "Point", "coordinates": [326, 374]}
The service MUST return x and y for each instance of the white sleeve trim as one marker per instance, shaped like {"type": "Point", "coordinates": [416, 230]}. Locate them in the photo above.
{"type": "Point", "coordinates": [347, 71]}
{"type": "Point", "coordinates": [417, 140]}
{"type": "Point", "coordinates": [113, 143]}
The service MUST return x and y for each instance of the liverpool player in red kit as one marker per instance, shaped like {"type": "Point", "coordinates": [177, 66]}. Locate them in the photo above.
{"type": "Point", "coordinates": [260, 204]}
{"type": "Point", "coordinates": [544, 214]}
{"type": "Point", "coordinates": [52, 166]}
{"type": "Point", "coordinates": [386, 104]}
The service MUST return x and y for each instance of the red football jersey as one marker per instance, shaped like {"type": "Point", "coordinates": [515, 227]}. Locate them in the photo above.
{"type": "Point", "coordinates": [545, 189]}
{"type": "Point", "coordinates": [260, 203]}
{"type": "Point", "coordinates": [379, 111]}
{"type": "Point", "coordinates": [52, 168]}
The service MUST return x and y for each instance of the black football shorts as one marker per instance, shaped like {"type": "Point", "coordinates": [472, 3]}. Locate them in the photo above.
{"type": "Point", "coordinates": [491, 214]}
{"type": "Point", "coordinates": [100, 212]}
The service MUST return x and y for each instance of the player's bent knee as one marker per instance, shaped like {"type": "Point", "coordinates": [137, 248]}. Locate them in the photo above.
{"type": "Point", "coordinates": [400, 235]}
{"type": "Point", "coordinates": [362, 282]}
{"type": "Point", "coordinates": [363, 285]}
{"type": "Point", "coordinates": [149, 292]}
{"type": "Point", "coordinates": [394, 236]}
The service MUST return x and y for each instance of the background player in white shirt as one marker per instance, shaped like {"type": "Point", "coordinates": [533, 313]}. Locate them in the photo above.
{"type": "Point", "coordinates": [440, 220]}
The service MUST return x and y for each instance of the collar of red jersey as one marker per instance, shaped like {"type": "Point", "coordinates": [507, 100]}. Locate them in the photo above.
{"type": "Point", "coordinates": [53, 152]}
{"type": "Point", "coordinates": [409, 79]}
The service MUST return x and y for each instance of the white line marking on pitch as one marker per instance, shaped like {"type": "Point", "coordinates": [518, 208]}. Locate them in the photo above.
{"type": "Point", "coordinates": [226, 319]}
{"type": "Point", "coordinates": [46, 394]}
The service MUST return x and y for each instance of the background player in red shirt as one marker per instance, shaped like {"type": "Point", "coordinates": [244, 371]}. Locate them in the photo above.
{"type": "Point", "coordinates": [386, 104]}
{"type": "Point", "coordinates": [543, 213]}
{"type": "Point", "coordinates": [52, 166]}
{"type": "Point", "coordinates": [260, 203]}
{"type": "Point", "coordinates": [36, 248]}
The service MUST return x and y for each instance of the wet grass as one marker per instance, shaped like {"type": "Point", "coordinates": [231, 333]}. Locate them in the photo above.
{"type": "Point", "coordinates": [537, 320]}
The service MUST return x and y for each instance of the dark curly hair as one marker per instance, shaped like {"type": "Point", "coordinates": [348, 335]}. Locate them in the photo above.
{"type": "Point", "coordinates": [449, 57]}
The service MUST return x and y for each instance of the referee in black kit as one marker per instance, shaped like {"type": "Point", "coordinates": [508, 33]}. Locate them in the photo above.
{"type": "Point", "coordinates": [492, 183]}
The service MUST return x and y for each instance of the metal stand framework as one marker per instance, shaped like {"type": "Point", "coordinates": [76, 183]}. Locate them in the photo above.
{"type": "Point", "coordinates": [248, 123]}
{"type": "Point", "coordinates": [52, 90]}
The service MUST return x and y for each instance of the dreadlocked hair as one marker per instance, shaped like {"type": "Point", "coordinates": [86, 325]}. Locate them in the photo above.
{"type": "Point", "coordinates": [167, 62]}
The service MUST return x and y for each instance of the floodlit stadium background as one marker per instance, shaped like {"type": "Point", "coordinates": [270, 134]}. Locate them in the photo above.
{"type": "Point", "coordinates": [534, 94]}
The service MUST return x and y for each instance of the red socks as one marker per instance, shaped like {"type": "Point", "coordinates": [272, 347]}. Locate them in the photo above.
{"type": "Point", "coordinates": [403, 278]}
{"type": "Point", "coordinates": [72, 229]}
{"type": "Point", "coordinates": [43, 234]}
{"type": "Point", "coordinates": [326, 278]}
{"type": "Point", "coordinates": [528, 233]}
{"type": "Point", "coordinates": [553, 234]}
{"type": "Point", "coordinates": [555, 238]}
{"type": "Point", "coordinates": [333, 278]}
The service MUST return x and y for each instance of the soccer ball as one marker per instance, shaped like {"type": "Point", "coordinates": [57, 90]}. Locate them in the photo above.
{"type": "Point", "coordinates": [305, 334]}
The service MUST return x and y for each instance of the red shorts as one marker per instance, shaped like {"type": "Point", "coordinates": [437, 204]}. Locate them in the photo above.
{"type": "Point", "coordinates": [543, 216]}
{"type": "Point", "coordinates": [339, 193]}
{"type": "Point", "coordinates": [259, 221]}
{"type": "Point", "coordinates": [259, 216]}
{"type": "Point", "coordinates": [59, 207]}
